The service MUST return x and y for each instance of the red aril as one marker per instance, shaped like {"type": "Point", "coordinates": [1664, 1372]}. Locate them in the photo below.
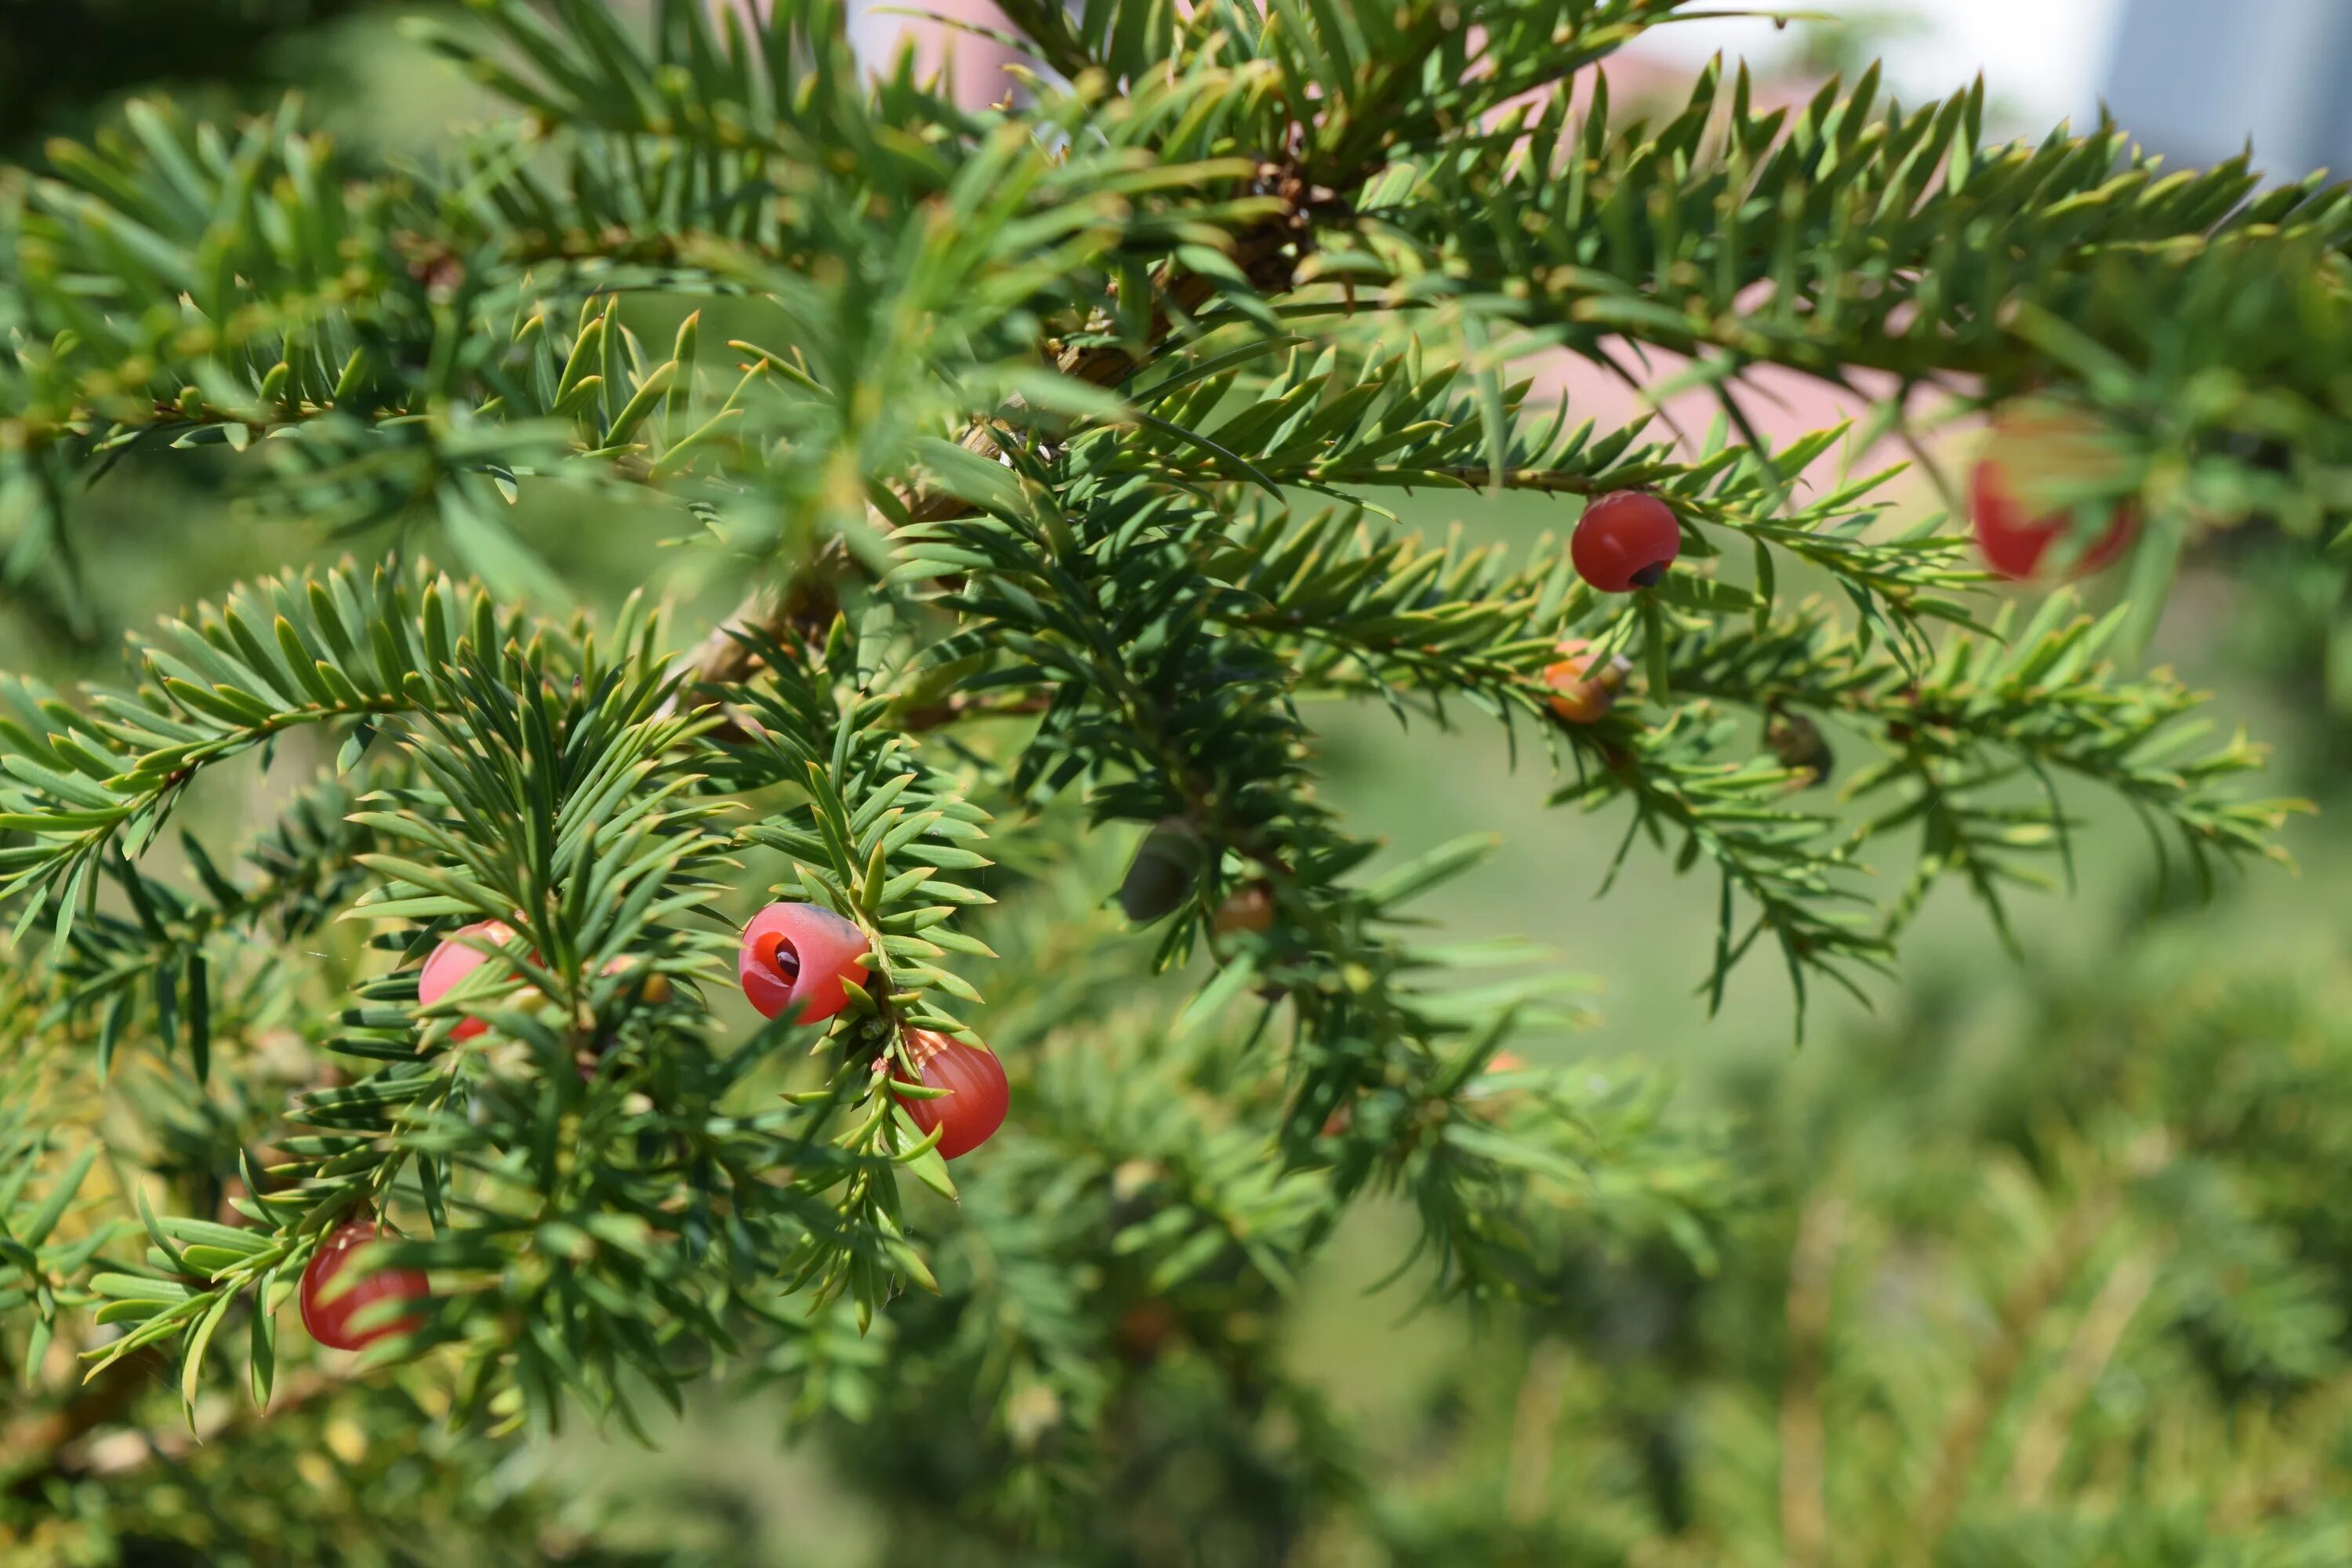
{"type": "Point", "coordinates": [796, 956]}
{"type": "Point", "coordinates": [2017, 491]}
{"type": "Point", "coordinates": [1626, 541]}
{"type": "Point", "coordinates": [972, 1110]}
{"type": "Point", "coordinates": [453, 960]}
{"type": "Point", "coordinates": [336, 1310]}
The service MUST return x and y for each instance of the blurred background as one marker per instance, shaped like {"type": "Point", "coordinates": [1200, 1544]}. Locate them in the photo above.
{"type": "Point", "coordinates": [2048, 1253]}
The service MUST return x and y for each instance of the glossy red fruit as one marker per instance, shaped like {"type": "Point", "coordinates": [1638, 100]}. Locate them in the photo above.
{"type": "Point", "coordinates": [330, 1317]}
{"type": "Point", "coordinates": [2034, 451]}
{"type": "Point", "coordinates": [1579, 695]}
{"type": "Point", "coordinates": [1626, 541]}
{"type": "Point", "coordinates": [970, 1114]}
{"type": "Point", "coordinates": [797, 955]}
{"type": "Point", "coordinates": [453, 960]}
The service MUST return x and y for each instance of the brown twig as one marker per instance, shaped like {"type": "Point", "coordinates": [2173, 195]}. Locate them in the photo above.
{"type": "Point", "coordinates": [73, 1440]}
{"type": "Point", "coordinates": [962, 705]}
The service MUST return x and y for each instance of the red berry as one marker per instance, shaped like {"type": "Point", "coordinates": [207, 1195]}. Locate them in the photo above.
{"type": "Point", "coordinates": [453, 960]}
{"type": "Point", "coordinates": [2031, 452]}
{"type": "Point", "coordinates": [330, 1317]}
{"type": "Point", "coordinates": [1626, 541]}
{"type": "Point", "coordinates": [1579, 698]}
{"type": "Point", "coordinates": [797, 955]}
{"type": "Point", "coordinates": [973, 1109]}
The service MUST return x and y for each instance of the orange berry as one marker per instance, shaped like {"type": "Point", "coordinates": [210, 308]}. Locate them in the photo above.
{"type": "Point", "coordinates": [1579, 695]}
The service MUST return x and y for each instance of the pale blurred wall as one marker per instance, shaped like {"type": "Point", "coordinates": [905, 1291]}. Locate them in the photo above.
{"type": "Point", "coordinates": [977, 62]}
{"type": "Point", "coordinates": [2195, 79]}
{"type": "Point", "coordinates": [2046, 60]}
{"type": "Point", "coordinates": [2042, 60]}
{"type": "Point", "coordinates": [2192, 79]}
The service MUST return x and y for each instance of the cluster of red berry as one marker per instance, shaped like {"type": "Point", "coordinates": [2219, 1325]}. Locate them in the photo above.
{"type": "Point", "coordinates": [794, 957]}
{"type": "Point", "coordinates": [1627, 539]}
{"type": "Point", "coordinates": [801, 957]}
{"type": "Point", "coordinates": [798, 957]}
{"type": "Point", "coordinates": [1623, 542]}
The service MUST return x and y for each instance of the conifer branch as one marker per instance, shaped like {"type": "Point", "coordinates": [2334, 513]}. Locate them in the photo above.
{"type": "Point", "coordinates": [1079, 412]}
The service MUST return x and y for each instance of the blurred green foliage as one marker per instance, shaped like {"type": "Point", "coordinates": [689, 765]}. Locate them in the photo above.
{"type": "Point", "coordinates": [62, 61]}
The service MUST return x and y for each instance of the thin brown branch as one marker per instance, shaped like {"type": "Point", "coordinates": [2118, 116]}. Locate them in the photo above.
{"type": "Point", "coordinates": [82, 1435]}
{"type": "Point", "coordinates": [963, 705]}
